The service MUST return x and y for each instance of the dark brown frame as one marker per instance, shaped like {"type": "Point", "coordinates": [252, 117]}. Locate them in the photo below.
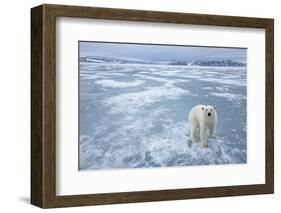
{"type": "Point", "coordinates": [43, 105]}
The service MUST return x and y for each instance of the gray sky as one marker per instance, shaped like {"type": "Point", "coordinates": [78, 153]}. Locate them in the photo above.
{"type": "Point", "coordinates": [158, 53]}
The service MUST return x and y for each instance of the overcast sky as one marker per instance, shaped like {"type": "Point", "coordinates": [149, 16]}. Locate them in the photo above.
{"type": "Point", "coordinates": [158, 53]}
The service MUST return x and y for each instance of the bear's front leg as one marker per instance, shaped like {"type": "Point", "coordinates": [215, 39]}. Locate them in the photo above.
{"type": "Point", "coordinates": [203, 135]}
{"type": "Point", "coordinates": [192, 133]}
{"type": "Point", "coordinates": [212, 132]}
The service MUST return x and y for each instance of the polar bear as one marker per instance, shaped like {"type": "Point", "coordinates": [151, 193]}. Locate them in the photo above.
{"type": "Point", "coordinates": [204, 118]}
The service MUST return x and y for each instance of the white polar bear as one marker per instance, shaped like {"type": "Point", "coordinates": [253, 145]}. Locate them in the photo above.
{"type": "Point", "coordinates": [204, 118]}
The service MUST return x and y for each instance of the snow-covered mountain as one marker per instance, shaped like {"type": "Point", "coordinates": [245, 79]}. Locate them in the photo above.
{"type": "Point", "coordinates": [218, 63]}
{"type": "Point", "coordinates": [210, 63]}
{"type": "Point", "coordinates": [207, 63]}
{"type": "Point", "coordinates": [108, 60]}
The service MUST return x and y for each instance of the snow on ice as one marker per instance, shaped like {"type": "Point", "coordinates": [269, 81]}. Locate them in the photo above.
{"type": "Point", "coordinates": [136, 116]}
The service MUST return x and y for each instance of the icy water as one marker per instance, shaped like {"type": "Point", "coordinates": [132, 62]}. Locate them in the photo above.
{"type": "Point", "coordinates": [136, 116]}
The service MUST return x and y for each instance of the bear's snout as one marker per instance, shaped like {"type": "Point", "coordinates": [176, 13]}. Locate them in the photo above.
{"type": "Point", "coordinates": [209, 114]}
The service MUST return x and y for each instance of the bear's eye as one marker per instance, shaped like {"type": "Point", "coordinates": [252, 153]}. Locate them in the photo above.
{"type": "Point", "coordinates": [202, 108]}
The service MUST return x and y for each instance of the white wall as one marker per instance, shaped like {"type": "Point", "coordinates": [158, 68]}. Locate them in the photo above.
{"type": "Point", "coordinates": [15, 107]}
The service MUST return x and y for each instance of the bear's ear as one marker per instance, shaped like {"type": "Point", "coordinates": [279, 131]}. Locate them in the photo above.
{"type": "Point", "coordinates": [202, 108]}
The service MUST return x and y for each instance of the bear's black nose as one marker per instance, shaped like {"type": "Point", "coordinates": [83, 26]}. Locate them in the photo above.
{"type": "Point", "coordinates": [209, 114]}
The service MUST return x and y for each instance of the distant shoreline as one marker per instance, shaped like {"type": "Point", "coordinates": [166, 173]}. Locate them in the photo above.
{"type": "Point", "coordinates": [197, 63]}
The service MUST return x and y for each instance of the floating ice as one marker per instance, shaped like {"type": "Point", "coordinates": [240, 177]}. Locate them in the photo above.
{"type": "Point", "coordinates": [136, 116]}
{"type": "Point", "coordinates": [228, 96]}
{"type": "Point", "coordinates": [119, 84]}
{"type": "Point", "coordinates": [135, 100]}
{"type": "Point", "coordinates": [225, 81]}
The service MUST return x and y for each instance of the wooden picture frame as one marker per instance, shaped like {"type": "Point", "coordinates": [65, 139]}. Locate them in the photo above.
{"type": "Point", "coordinates": [43, 105]}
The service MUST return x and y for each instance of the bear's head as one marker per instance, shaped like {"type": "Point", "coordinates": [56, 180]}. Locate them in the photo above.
{"type": "Point", "coordinates": [209, 112]}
